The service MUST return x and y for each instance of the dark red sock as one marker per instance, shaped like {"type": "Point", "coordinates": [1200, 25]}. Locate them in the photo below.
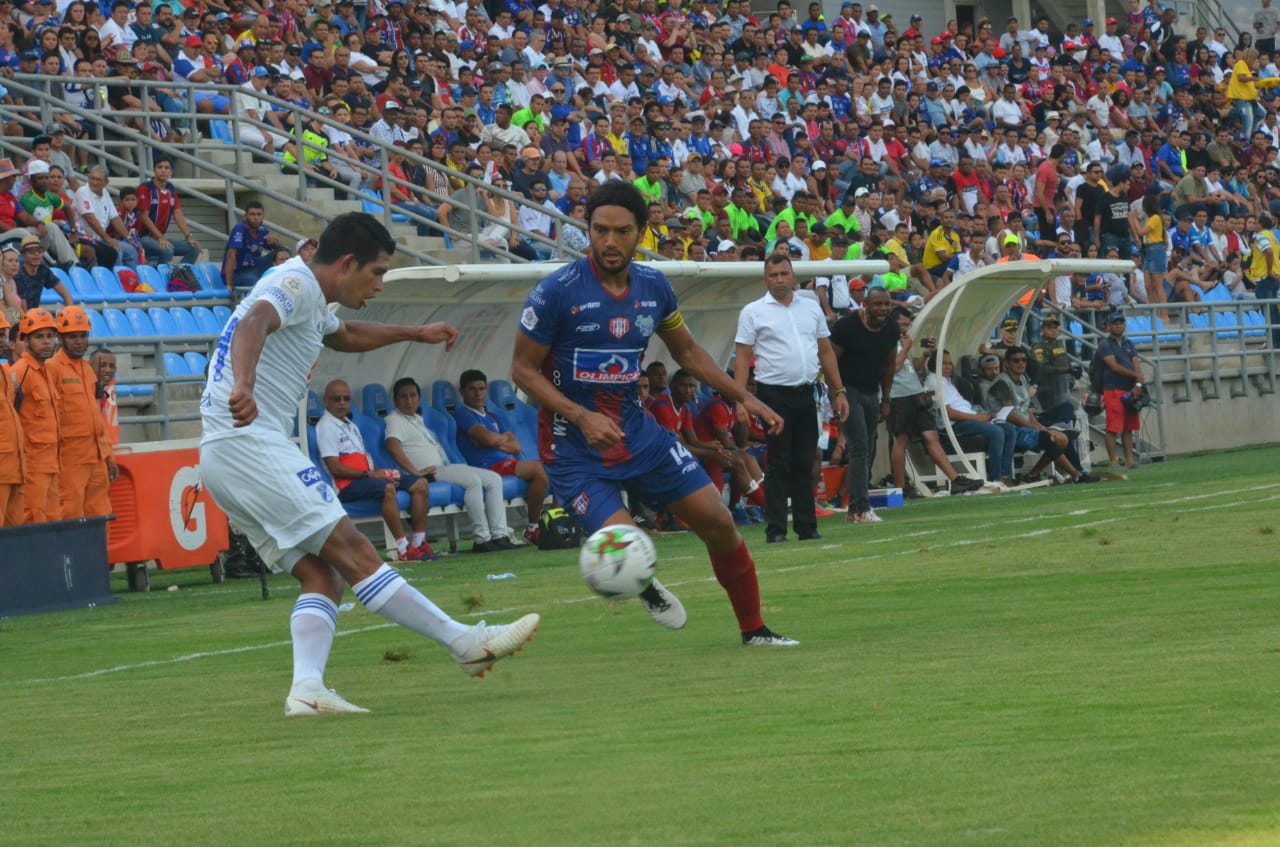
{"type": "Point", "coordinates": [736, 573]}
{"type": "Point", "coordinates": [756, 498]}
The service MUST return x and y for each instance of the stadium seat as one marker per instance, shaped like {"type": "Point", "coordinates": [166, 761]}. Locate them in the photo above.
{"type": "Point", "coordinates": [166, 272]}
{"type": "Point", "coordinates": [1217, 294]}
{"type": "Point", "coordinates": [374, 401]}
{"type": "Point", "coordinates": [108, 280]}
{"type": "Point", "coordinates": [444, 396]}
{"type": "Point", "coordinates": [503, 394]}
{"type": "Point", "coordinates": [526, 429]}
{"type": "Point", "coordinates": [210, 276]}
{"type": "Point", "coordinates": [1227, 324]}
{"type": "Point", "coordinates": [183, 321]}
{"type": "Point", "coordinates": [197, 363]}
{"type": "Point", "coordinates": [109, 285]}
{"type": "Point", "coordinates": [446, 430]}
{"type": "Point", "coordinates": [117, 324]}
{"type": "Point", "coordinates": [221, 131]}
{"type": "Point", "coordinates": [98, 325]}
{"type": "Point", "coordinates": [1257, 321]}
{"type": "Point", "coordinates": [175, 365]}
{"type": "Point", "coordinates": [140, 322]}
{"type": "Point", "coordinates": [81, 284]}
{"type": "Point", "coordinates": [151, 276]}
{"type": "Point", "coordinates": [206, 323]}
{"type": "Point", "coordinates": [162, 321]}
{"type": "Point", "coordinates": [50, 297]}
{"type": "Point", "coordinates": [222, 314]}
{"type": "Point", "coordinates": [373, 203]}
{"type": "Point", "coordinates": [314, 408]}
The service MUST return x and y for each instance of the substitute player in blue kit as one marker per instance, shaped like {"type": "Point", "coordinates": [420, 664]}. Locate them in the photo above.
{"type": "Point", "coordinates": [583, 334]}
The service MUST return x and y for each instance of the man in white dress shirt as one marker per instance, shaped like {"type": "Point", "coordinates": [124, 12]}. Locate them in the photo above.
{"type": "Point", "coordinates": [788, 338]}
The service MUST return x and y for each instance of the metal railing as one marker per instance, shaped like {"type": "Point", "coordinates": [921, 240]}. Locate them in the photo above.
{"type": "Point", "coordinates": [129, 150]}
{"type": "Point", "coordinates": [156, 347]}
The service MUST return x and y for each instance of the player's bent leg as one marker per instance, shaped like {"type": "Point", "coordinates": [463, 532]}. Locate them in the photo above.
{"type": "Point", "coordinates": [384, 592]}
{"type": "Point", "coordinates": [534, 474]}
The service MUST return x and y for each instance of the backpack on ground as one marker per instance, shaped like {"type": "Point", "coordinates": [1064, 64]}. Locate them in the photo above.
{"type": "Point", "coordinates": [557, 531]}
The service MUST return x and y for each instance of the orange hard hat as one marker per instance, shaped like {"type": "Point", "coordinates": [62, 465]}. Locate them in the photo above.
{"type": "Point", "coordinates": [73, 319]}
{"type": "Point", "coordinates": [4, 320]}
{"type": "Point", "coordinates": [36, 319]}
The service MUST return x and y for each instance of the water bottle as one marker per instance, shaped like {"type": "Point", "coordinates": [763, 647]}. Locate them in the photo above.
{"type": "Point", "coordinates": [494, 577]}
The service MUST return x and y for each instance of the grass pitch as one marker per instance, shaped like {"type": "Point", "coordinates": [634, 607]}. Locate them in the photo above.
{"type": "Point", "coordinates": [1091, 665]}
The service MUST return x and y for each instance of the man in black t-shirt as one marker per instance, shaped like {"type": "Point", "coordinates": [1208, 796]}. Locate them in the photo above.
{"type": "Point", "coordinates": [1112, 223]}
{"type": "Point", "coordinates": [865, 344]}
{"type": "Point", "coordinates": [34, 276]}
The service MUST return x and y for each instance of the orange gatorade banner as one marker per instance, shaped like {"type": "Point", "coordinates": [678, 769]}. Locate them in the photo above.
{"type": "Point", "coordinates": [162, 512]}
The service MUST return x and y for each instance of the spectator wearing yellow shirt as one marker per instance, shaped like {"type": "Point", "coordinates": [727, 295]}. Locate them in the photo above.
{"type": "Point", "coordinates": [655, 230]}
{"type": "Point", "coordinates": [815, 239]}
{"type": "Point", "coordinates": [941, 245]}
{"type": "Point", "coordinates": [1242, 91]}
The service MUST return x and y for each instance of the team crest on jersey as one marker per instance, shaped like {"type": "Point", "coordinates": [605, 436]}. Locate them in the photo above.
{"type": "Point", "coordinates": [619, 327]}
{"type": "Point", "coordinates": [644, 325]}
{"type": "Point", "coordinates": [580, 503]}
{"type": "Point", "coordinates": [529, 318]}
{"type": "Point", "coordinates": [291, 284]}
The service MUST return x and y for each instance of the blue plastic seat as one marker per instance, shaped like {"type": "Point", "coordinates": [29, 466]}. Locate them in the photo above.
{"type": "Point", "coordinates": [197, 363]}
{"type": "Point", "coordinates": [206, 323]}
{"type": "Point", "coordinates": [210, 276]}
{"type": "Point", "coordinates": [117, 324]}
{"type": "Point", "coordinates": [140, 322]}
{"type": "Point", "coordinates": [221, 131]}
{"type": "Point", "coordinates": [372, 204]}
{"type": "Point", "coordinates": [80, 283]}
{"type": "Point", "coordinates": [175, 365]}
{"type": "Point", "coordinates": [151, 276]}
{"type": "Point", "coordinates": [162, 321]}
{"type": "Point", "coordinates": [166, 272]}
{"type": "Point", "coordinates": [108, 280]}
{"type": "Point", "coordinates": [314, 408]}
{"type": "Point", "coordinates": [1227, 324]}
{"type": "Point", "coordinates": [183, 322]}
{"type": "Point", "coordinates": [222, 314]}
{"type": "Point", "coordinates": [446, 430]}
{"type": "Point", "coordinates": [444, 396]}
{"type": "Point", "coordinates": [98, 325]}
{"type": "Point", "coordinates": [49, 297]}
{"type": "Point", "coordinates": [374, 401]}
{"type": "Point", "coordinates": [502, 393]}
{"type": "Point", "coordinates": [1217, 294]}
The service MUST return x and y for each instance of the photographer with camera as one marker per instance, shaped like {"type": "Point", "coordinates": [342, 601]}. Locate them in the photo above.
{"type": "Point", "coordinates": [1123, 392]}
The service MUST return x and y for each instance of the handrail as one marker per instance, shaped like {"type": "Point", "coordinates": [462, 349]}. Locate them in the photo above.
{"type": "Point", "coordinates": [31, 85]}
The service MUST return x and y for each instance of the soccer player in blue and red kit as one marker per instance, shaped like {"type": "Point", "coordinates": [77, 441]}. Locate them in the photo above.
{"type": "Point", "coordinates": [583, 333]}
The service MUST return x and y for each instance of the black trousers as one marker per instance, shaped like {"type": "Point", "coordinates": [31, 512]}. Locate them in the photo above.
{"type": "Point", "coordinates": [790, 470]}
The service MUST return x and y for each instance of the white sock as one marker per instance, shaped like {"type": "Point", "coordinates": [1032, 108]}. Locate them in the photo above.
{"type": "Point", "coordinates": [386, 593]}
{"type": "Point", "coordinates": [314, 620]}
{"type": "Point", "coordinates": [418, 538]}
{"type": "Point", "coordinates": [402, 544]}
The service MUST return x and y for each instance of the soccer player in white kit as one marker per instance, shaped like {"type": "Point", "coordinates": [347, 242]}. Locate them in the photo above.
{"type": "Point", "coordinates": [273, 493]}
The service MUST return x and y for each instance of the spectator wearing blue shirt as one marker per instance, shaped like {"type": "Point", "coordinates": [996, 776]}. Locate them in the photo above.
{"type": "Point", "coordinates": [1169, 161]}
{"type": "Point", "coordinates": [247, 255]}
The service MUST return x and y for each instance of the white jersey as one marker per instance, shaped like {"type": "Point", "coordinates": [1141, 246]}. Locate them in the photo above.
{"type": "Point", "coordinates": [287, 358]}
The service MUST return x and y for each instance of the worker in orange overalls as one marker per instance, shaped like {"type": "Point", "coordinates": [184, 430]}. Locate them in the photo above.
{"type": "Point", "coordinates": [104, 366]}
{"type": "Point", "coordinates": [12, 464]}
{"type": "Point", "coordinates": [88, 468]}
{"type": "Point", "coordinates": [39, 415]}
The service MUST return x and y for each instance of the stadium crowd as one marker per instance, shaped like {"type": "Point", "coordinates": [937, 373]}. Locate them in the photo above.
{"type": "Point", "coordinates": [942, 148]}
{"type": "Point", "coordinates": [750, 133]}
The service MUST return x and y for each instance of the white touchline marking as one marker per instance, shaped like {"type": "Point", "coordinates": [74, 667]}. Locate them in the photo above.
{"type": "Point", "coordinates": [963, 542]}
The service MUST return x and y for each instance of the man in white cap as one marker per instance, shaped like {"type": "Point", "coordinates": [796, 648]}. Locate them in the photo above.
{"type": "Point", "coordinates": [247, 104]}
{"type": "Point", "coordinates": [39, 203]}
{"type": "Point", "coordinates": [305, 249]}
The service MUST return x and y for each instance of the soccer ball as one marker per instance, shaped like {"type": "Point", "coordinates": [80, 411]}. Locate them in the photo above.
{"type": "Point", "coordinates": [617, 562]}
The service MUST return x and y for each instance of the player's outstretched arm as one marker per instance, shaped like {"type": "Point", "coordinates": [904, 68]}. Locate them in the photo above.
{"type": "Point", "coordinates": [526, 371]}
{"type": "Point", "coordinates": [250, 335]}
{"type": "Point", "coordinates": [362, 336]}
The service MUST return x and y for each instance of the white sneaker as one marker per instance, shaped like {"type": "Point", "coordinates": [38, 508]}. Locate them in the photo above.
{"type": "Point", "coordinates": [664, 607]}
{"type": "Point", "coordinates": [314, 699]}
{"type": "Point", "coordinates": [478, 648]}
{"type": "Point", "coordinates": [869, 516]}
{"type": "Point", "coordinates": [765, 637]}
